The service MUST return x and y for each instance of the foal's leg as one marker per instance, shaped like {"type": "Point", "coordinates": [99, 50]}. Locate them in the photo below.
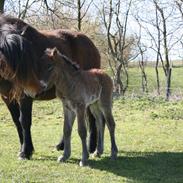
{"type": "Point", "coordinates": [82, 133]}
{"type": "Point", "coordinates": [15, 114]}
{"type": "Point", "coordinates": [111, 126]}
{"type": "Point", "coordinates": [26, 121]}
{"type": "Point", "coordinates": [92, 142]}
{"type": "Point", "coordinates": [69, 117]}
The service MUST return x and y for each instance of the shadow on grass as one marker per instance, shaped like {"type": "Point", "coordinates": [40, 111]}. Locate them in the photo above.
{"type": "Point", "coordinates": [144, 167]}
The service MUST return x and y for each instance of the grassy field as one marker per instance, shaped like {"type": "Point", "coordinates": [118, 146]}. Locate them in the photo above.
{"type": "Point", "coordinates": [134, 87]}
{"type": "Point", "coordinates": [149, 136]}
{"type": "Point", "coordinates": [135, 80]}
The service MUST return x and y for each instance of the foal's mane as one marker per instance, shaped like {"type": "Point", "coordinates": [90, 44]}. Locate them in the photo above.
{"type": "Point", "coordinates": [69, 62]}
{"type": "Point", "coordinates": [55, 53]}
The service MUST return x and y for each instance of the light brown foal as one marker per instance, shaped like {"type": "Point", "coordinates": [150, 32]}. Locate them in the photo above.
{"type": "Point", "coordinates": [79, 89]}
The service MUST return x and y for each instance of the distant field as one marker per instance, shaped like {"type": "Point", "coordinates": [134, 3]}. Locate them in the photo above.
{"type": "Point", "coordinates": [135, 81]}
{"type": "Point", "coordinates": [149, 135]}
{"type": "Point", "coordinates": [135, 78]}
{"type": "Point", "coordinates": [175, 63]}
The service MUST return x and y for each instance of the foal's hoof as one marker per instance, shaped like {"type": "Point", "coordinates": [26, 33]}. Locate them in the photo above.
{"type": "Point", "coordinates": [22, 159]}
{"type": "Point", "coordinates": [96, 154]}
{"type": "Point", "coordinates": [114, 156]}
{"type": "Point", "coordinates": [18, 154]}
{"type": "Point", "coordinates": [23, 156]}
{"type": "Point", "coordinates": [82, 163]}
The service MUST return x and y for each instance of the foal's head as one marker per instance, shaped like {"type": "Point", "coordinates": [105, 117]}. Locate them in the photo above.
{"type": "Point", "coordinates": [59, 65]}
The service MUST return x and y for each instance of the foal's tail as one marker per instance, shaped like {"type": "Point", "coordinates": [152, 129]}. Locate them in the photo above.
{"type": "Point", "coordinates": [107, 90]}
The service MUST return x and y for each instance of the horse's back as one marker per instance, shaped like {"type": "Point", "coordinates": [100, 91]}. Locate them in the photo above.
{"type": "Point", "coordinates": [76, 46]}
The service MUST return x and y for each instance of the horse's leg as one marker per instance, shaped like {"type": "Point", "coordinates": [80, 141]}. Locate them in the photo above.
{"type": "Point", "coordinates": [60, 145]}
{"type": "Point", "coordinates": [100, 129]}
{"type": "Point", "coordinates": [92, 132]}
{"type": "Point", "coordinates": [111, 126]}
{"type": "Point", "coordinates": [82, 133]}
{"type": "Point", "coordinates": [26, 121]}
{"type": "Point", "coordinates": [69, 117]}
{"type": "Point", "coordinates": [15, 114]}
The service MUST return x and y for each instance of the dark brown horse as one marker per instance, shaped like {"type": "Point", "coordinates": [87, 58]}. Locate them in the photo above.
{"type": "Point", "coordinates": [79, 90]}
{"type": "Point", "coordinates": [21, 47]}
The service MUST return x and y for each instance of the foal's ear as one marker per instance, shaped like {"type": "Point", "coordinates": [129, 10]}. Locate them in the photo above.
{"type": "Point", "coordinates": [54, 52]}
{"type": "Point", "coordinates": [25, 30]}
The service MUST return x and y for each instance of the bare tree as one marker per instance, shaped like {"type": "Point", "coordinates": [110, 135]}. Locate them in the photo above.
{"type": "Point", "coordinates": [81, 12]}
{"type": "Point", "coordinates": [81, 7]}
{"type": "Point", "coordinates": [162, 25]}
{"type": "Point", "coordinates": [168, 67]}
{"type": "Point", "coordinates": [158, 46]}
{"type": "Point", "coordinates": [142, 49]}
{"type": "Point", "coordinates": [155, 38]}
{"type": "Point", "coordinates": [119, 47]}
{"type": "Point", "coordinates": [2, 2]}
{"type": "Point", "coordinates": [179, 4]}
{"type": "Point", "coordinates": [23, 8]}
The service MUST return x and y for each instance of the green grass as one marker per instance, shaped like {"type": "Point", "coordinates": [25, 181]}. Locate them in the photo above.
{"type": "Point", "coordinates": [135, 77]}
{"type": "Point", "coordinates": [149, 134]}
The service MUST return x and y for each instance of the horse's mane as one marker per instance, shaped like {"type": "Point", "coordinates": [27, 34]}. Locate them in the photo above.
{"type": "Point", "coordinates": [17, 24]}
{"type": "Point", "coordinates": [17, 49]}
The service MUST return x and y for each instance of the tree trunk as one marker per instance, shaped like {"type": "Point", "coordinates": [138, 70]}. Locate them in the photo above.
{"type": "Point", "coordinates": [168, 88]}
{"type": "Point", "coordinates": [143, 73]}
{"type": "Point", "coordinates": [2, 2]}
{"type": "Point", "coordinates": [126, 80]}
{"type": "Point", "coordinates": [121, 85]}
{"type": "Point", "coordinates": [79, 15]}
{"type": "Point", "coordinates": [156, 68]}
{"type": "Point", "coordinates": [118, 81]}
{"type": "Point", "coordinates": [157, 79]}
{"type": "Point", "coordinates": [144, 79]}
{"type": "Point", "coordinates": [166, 52]}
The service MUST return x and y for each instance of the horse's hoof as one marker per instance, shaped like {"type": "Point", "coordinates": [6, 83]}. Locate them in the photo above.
{"type": "Point", "coordinates": [61, 159]}
{"type": "Point", "coordinates": [60, 147]}
{"type": "Point", "coordinates": [82, 163]}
